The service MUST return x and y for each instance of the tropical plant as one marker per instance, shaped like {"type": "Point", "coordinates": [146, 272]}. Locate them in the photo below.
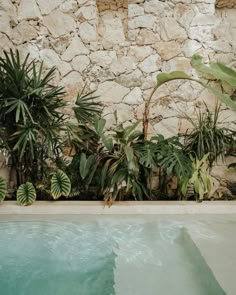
{"type": "Point", "coordinates": [168, 155]}
{"type": "Point", "coordinates": [87, 108]}
{"type": "Point", "coordinates": [207, 136]}
{"type": "Point", "coordinates": [214, 70]}
{"type": "Point", "coordinates": [3, 188]}
{"type": "Point", "coordinates": [121, 172]}
{"type": "Point", "coordinates": [201, 179]}
{"type": "Point", "coordinates": [30, 119]}
{"type": "Point", "coordinates": [26, 194]}
{"type": "Point", "coordinates": [60, 185]}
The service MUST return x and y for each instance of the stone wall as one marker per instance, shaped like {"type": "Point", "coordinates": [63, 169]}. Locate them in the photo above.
{"type": "Point", "coordinates": [117, 47]}
{"type": "Point", "coordinates": [225, 3]}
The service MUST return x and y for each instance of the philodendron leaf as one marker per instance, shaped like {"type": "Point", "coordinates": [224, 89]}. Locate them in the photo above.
{"type": "Point", "coordinates": [216, 70]}
{"type": "Point", "coordinates": [86, 164]}
{"type": "Point", "coordinates": [129, 152]}
{"type": "Point", "coordinates": [108, 142]}
{"type": "Point", "coordinates": [99, 125]}
{"type": "Point", "coordinates": [60, 185]}
{"type": "Point", "coordinates": [175, 75]}
{"type": "Point", "coordinates": [26, 194]}
{"type": "Point", "coordinates": [3, 188]}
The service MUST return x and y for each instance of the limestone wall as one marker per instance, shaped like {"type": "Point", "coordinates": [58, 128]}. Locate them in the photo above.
{"type": "Point", "coordinates": [119, 46]}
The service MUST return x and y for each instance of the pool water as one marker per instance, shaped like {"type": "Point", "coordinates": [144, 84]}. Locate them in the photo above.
{"type": "Point", "coordinates": [105, 255]}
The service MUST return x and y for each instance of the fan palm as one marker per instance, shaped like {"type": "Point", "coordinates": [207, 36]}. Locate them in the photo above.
{"type": "Point", "coordinates": [29, 113]}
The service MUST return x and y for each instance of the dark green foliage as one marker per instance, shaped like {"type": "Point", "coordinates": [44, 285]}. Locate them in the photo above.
{"type": "Point", "coordinates": [86, 107]}
{"type": "Point", "coordinates": [165, 153]}
{"type": "Point", "coordinates": [121, 172]}
{"type": "Point", "coordinates": [207, 136]}
{"type": "Point", "coordinates": [29, 115]}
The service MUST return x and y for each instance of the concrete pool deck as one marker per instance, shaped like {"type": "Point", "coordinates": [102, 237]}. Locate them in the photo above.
{"type": "Point", "coordinates": [128, 207]}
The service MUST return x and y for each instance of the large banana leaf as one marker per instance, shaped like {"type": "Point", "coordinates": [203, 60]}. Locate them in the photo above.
{"type": "Point", "coordinates": [178, 75]}
{"type": "Point", "coordinates": [216, 70]}
{"type": "Point", "coordinates": [175, 75]}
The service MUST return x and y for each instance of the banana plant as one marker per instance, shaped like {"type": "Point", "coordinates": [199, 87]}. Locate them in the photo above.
{"type": "Point", "coordinates": [3, 189]}
{"type": "Point", "coordinates": [26, 194]}
{"type": "Point", "coordinates": [214, 70]}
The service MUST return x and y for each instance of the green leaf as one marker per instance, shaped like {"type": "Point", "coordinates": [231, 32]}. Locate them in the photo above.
{"type": "Point", "coordinates": [175, 75]}
{"type": "Point", "coordinates": [60, 185]}
{"type": "Point", "coordinates": [86, 164]}
{"type": "Point", "coordinates": [216, 70]}
{"type": "Point", "coordinates": [3, 188]}
{"type": "Point", "coordinates": [86, 107]}
{"type": "Point", "coordinates": [129, 153]}
{"type": "Point", "coordinates": [223, 97]}
{"type": "Point", "coordinates": [26, 194]}
{"type": "Point", "coordinates": [108, 142]}
{"type": "Point", "coordinates": [147, 154]}
{"type": "Point", "coordinates": [99, 125]}
{"type": "Point", "coordinates": [129, 130]}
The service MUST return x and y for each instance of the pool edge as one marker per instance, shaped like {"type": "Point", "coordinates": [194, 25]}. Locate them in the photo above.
{"type": "Point", "coordinates": [129, 207]}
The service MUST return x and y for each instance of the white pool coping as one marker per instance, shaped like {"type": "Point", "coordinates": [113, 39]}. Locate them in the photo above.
{"type": "Point", "coordinates": [129, 207]}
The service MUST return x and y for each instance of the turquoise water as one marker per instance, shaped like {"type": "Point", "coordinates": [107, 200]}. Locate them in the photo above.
{"type": "Point", "coordinates": [101, 256]}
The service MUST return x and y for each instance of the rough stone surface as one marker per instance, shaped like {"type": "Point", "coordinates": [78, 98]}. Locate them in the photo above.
{"type": "Point", "coordinates": [134, 97]}
{"type": "Point", "coordinates": [76, 47]}
{"type": "Point", "coordinates": [23, 32]}
{"type": "Point", "coordinates": [225, 3]}
{"type": "Point", "coordinates": [151, 64]}
{"type": "Point", "coordinates": [47, 6]}
{"type": "Point", "coordinates": [59, 23]}
{"type": "Point", "coordinates": [10, 9]}
{"type": "Point", "coordinates": [80, 63]}
{"type": "Point", "coordinates": [167, 50]}
{"type": "Point", "coordinates": [5, 23]}
{"type": "Point", "coordinates": [28, 9]}
{"type": "Point", "coordinates": [111, 92]}
{"type": "Point", "coordinates": [118, 47]}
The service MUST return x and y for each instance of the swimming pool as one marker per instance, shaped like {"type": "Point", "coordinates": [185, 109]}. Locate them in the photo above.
{"type": "Point", "coordinates": [123, 255]}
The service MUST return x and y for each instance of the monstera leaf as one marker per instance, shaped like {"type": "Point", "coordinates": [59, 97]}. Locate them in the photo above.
{"type": "Point", "coordinates": [3, 188]}
{"type": "Point", "coordinates": [60, 185]}
{"type": "Point", "coordinates": [26, 194]}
